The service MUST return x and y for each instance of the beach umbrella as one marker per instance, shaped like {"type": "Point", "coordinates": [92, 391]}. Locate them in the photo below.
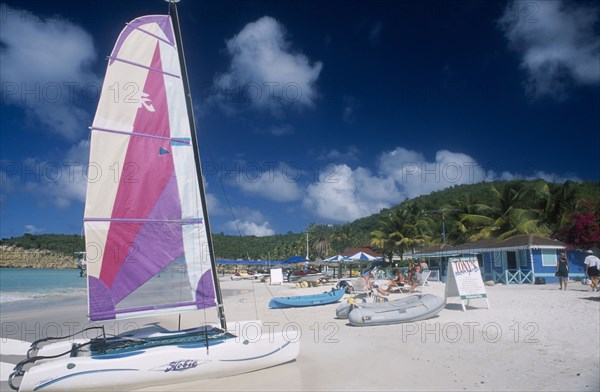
{"type": "Point", "coordinates": [335, 258]}
{"type": "Point", "coordinates": [362, 256]}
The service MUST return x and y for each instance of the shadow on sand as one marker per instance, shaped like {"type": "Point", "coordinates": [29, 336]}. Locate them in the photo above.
{"type": "Point", "coordinates": [459, 307]}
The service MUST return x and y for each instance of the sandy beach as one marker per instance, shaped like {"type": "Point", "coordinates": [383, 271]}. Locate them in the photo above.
{"type": "Point", "coordinates": [533, 338]}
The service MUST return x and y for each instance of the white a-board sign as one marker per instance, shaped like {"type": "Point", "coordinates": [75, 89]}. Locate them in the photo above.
{"type": "Point", "coordinates": [464, 280]}
{"type": "Point", "coordinates": [276, 276]}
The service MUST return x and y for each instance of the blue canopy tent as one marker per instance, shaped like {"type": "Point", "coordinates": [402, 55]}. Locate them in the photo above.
{"type": "Point", "coordinates": [250, 262]}
{"type": "Point", "coordinates": [262, 263]}
{"type": "Point", "coordinates": [295, 259]}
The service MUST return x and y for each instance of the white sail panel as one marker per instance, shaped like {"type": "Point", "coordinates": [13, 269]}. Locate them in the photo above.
{"type": "Point", "coordinates": [107, 156]}
{"type": "Point", "coordinates": [95, 238]}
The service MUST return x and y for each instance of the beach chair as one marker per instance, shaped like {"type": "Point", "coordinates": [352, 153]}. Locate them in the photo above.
{"type": "Point", "coordinates": [359, 286]}
{"type": "Point", "coordinates": [419, 288]}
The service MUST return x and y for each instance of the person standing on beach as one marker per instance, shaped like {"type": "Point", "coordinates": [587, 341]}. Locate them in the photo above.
{"type": "Point", "coordinates": [592, 269]}
{"type": "Point", "coordinates": [562, 270]}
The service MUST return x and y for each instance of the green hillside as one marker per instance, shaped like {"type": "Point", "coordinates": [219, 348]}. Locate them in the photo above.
{"type": "Point", "coordinates": [64, 244]}
{"type": "Point", "coordinates": [463, 213]}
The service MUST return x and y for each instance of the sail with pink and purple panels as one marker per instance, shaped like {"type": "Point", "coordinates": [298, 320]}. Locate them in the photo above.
{"type": "Point", "coordinates": [145, 232]}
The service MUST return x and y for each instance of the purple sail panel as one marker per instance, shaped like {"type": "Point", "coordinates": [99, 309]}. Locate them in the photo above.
{"type": "Point", "coordinates": [156, 245]}
{"type": "Point", "coordinates": [205, 292]}
{"type": "Point", "coordinates": [102, 305]}
{"type": "Point", "coordinates": [163, 21]}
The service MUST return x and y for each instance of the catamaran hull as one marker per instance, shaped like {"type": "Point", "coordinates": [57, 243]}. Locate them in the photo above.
{"type": "Point", "coordinates": [164, 365]}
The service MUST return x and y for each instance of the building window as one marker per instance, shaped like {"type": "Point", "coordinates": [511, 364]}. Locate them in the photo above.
{"type": "Point", "coordinates": [498, 256]}
{"type": "Point", "coordinates": [549, 257]}
{"type": "Point", "coordinates": [522, 257]}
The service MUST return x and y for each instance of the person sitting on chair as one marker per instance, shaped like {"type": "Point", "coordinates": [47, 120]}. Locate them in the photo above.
{"type": "Point", "coordinates": [367, 277]}
{"type": "Point", "coordinates": [397, 281]}
{"type": "Point", "coordinates": [415, 278]}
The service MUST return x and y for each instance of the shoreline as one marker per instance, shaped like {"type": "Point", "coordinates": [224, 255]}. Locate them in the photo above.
{"type": "Point", "coordinates": [532, 338]}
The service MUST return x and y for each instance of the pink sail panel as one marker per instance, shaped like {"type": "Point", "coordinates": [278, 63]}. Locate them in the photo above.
{"type": "Point", "coordinates": [138, 194]}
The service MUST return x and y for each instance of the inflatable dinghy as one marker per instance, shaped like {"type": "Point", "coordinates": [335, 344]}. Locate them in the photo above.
{"type": "Point", "coordinates": [405, 310]}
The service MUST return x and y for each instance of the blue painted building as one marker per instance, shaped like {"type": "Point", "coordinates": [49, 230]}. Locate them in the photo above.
{"type": "Point", "coordinates": [516, 260]}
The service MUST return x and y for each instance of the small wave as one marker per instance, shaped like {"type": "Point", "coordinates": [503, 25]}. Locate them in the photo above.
{"type": "Point", "coordinates": [14, 296]}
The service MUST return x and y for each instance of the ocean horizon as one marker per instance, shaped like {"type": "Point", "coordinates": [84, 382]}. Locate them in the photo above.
{"type": "Point", "coordinates": [20, 284]}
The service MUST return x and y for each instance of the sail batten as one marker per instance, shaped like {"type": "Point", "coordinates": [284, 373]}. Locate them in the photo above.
{"type": "Point", "coordinates": [172, 139]}
{"type": "Point", "coordinates": [188, 221]}
{"type": "Point", "coordinates": [144, 217]}
{"type": "Point", "coordinates": [143, 66]}
{"type": "Point", "coordinates": [154, 35]}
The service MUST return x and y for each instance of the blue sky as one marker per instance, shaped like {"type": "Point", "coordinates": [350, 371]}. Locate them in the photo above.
{"type": "Point", "coordinates": [312, 111]}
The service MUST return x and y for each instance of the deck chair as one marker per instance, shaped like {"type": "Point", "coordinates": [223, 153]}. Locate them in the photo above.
{"type": "Point", "coordinates": [359, 286]}
{"type": "Point", "coordinates": [361, 293]}
{"type": "Point", "coordinates": [419, 288]}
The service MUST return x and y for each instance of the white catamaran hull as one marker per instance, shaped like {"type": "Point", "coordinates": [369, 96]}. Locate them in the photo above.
{"type": "Point", "coordinates": [159, 365]}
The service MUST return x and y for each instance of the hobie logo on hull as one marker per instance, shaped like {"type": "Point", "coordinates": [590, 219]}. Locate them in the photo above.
{"type": "Point", "coordinates": [176, 366]}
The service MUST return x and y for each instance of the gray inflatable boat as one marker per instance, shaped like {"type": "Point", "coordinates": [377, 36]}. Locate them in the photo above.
{"type": "Point", "coordinates": [405, 310]}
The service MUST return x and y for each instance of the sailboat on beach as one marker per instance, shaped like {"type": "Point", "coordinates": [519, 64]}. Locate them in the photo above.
{"type": "Point", "coordinates": [148, 241]}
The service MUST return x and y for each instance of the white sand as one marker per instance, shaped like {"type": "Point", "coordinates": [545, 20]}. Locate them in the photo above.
{"type": "Point", "coordinates": [532, 338]}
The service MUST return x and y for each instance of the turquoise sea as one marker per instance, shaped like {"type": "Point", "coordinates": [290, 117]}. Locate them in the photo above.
{"type": "Point", "coordinates": [18, 284]}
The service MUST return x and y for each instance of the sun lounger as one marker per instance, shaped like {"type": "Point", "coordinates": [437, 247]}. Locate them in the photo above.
{"type": "Point", "coordinates": [419, 287]}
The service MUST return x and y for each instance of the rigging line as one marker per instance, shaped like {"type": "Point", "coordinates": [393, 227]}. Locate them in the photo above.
{"type": "Point", "coordinates": [282, 309]}
{"type": "Point", "coordinates": [211, 157]}
{"type": "Point", "coordinates": [173, 14]}
{"type": "Point", "coordinates": [237, 226]}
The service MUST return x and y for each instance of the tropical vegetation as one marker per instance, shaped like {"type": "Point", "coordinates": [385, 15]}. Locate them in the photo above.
{"type": "Point", "coordinates": [569, 212]}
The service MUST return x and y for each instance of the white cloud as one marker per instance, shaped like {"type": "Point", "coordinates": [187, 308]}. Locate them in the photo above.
{"type": "Point", "coordinates": [249, 222]}
{"type": "Point", "coordinates": [349, 112]}
{"type": "Point", "coordinates": [251, 228]}
{"type": "Point", "coordinates": [415, 176]}
{"type": "Point", "coordinates": [558, 43]}
{"type": "Point", "coordinates": [350, 154]}
{"type": "Point", "coordinates": [45, 67]}
{"type": "Point", "coordinates": [345, 194]}
{"type": "Point", "coordinates": [265, 72]}
{"type": "Point", "coordinates": [31, 229]}
{"type": "Point", "coordinates": [62, 182]}
{"type": "Point", "coordinates": [277, 183]}
{"type": "Point", "coordinates": [213, 205]}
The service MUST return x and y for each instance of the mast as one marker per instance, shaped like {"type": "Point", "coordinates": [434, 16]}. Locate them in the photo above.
{"type": "Point", "coordinates": [188, 101]}
{"type": "Point", "coordinates": [307, 246]}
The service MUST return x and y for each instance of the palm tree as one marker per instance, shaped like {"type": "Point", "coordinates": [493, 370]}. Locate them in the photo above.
{"type": "Point", "coordinates": [459, 229]}
{"type": "Point", "coordinates": [342, 237]}
{"type": "Point", "coordinates": [406, 228]}
{"type": "Point", "coordinates": [555, 203]}
{"type": "Point", "coordinates": [381, 240]}
{"type": "Point", "coordinates": [510, 214]}
{"type": "Point", "coordinates": [319, 240]}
